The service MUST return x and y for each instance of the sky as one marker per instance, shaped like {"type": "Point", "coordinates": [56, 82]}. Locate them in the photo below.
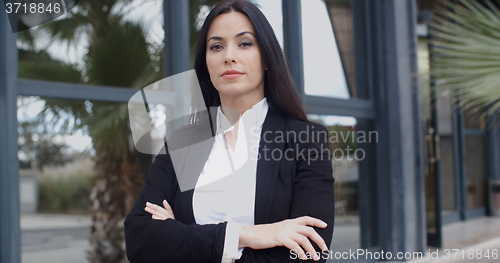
{"type": "Point", "coordinates": [323, 73]}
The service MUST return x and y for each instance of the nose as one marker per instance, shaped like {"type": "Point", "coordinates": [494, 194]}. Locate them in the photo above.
{"type": "Point", "coordinates": [229, 56]}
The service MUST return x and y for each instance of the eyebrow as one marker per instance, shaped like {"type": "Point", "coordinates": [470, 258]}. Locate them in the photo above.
{"type": "Point", "coordinates": [237, 35]}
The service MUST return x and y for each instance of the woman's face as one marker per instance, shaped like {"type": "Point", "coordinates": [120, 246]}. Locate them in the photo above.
{"type": "Point", "coordinates": [233, 57]}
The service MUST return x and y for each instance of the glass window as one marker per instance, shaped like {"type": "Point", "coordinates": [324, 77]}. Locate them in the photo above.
{"type": "Point", "coordinates": [475, 161]}
{"type": "Point", "coordinates": [98, 52]}
{"type": "Point", "coordinates": [474, 119]}
{"type": "Point", "coordinates": [79, 175]}
{"type": "Point", "coordinates": [327, 57]}
{"type": "Point", "coordinates": [438, 146]}
{"type": "Point", "coordinates": [446, 152]}
{"type": "Point", "coordinates": [349, 141]}
{"type": "Point", "coordinates": [55, 182]}
{"type": "Point", "coordinates": [272, 11]}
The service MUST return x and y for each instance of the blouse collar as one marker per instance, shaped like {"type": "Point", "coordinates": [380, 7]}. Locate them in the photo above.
{"type": "Point", "coordinates": [254, 116]}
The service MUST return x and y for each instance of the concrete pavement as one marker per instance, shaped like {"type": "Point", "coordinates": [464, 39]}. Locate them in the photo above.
{"type": "Point", "coordinates": [52, 238]}
{"type": "Point", "coordinates": [49, 238]}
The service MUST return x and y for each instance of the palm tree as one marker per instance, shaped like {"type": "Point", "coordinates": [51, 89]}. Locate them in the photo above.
{"type": "Point", "coordinates": [466, 53]}
{"type": "Point", "coordinates": [117, 56]}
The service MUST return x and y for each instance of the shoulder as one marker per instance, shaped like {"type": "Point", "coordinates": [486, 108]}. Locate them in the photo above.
{"type": "Point", "coordinates": [309, 141]}
{"type": "Point", "coordinates": [294, 124]}
{"type": "Point", "coordinates": [314, 131]}
{"type": "Point", "coordinates": [191, 133]}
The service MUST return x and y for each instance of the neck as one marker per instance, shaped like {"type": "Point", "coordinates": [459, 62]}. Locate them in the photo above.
{"type": "Point", "coordinates": [234, 106]}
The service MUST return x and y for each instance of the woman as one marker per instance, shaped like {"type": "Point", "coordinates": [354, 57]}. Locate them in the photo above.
{"type": "Point", "coordinates": [274, 203]}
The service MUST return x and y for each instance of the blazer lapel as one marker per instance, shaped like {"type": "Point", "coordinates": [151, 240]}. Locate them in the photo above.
{"type": "Point", "coordinates": [195, 158]}
{"type": "Point", "coordinates": [267, 167]}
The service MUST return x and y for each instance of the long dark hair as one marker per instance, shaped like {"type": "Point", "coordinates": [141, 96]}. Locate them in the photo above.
{"type": "Point", "coordinates": [279, 87]}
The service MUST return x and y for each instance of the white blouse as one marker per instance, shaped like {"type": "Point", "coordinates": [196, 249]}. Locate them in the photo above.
{"type": "Point", "coordinates": [225, 190]}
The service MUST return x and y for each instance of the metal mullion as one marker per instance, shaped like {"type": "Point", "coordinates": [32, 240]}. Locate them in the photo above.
{"type": "Point", "coordinates": [491, 156]}
{"type": "Point", "coordinates": [176, 37]}
{"type": "Point", "coordinates": [457, 162]}
{"type": "Point", "coordinates": [463, 168]}
{"type": "Point", "coordinates": [418, 136]}
{"type": "Point", "coordinates": [62, 90]}
{"type": "Point", "coordinates": [10, 233]}
{"type": "Point", "coordinates": [71, 91]}
{"type": "Point", "coordinates": [332, 106]}
{"type": "Point", "coordinates": [292, 41]}
{"type": "Point", "coordinates": [373, 13]}
{"type": "Point", "coordinates": [450, 218]}
{"type": "Point", "coordinates": [474, 132]}
{"type": "Point", "coordinates": [476, 212]}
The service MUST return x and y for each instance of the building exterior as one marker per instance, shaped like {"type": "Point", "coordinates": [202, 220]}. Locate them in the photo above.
{"type": "Point", "coordinates": [428, 166]}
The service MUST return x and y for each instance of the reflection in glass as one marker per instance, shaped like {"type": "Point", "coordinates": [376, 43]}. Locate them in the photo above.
{"type": "Point", "coordinates": [446, 152]}
{"type": "Point", "coordinates": [55, 180]}
{"type": "Point", "coordinates": [272, 11]}
{"type": "Point", "coordinates": [118, 45]}
{"type": "Point", "coordinates": [429, 132]}
{"type": "Point", "coordinates": [350, 155]}
{"type": "Point", "coordinates": [473, 119]}
{"type": "Point", "coordinates": [323, 69]}
{"type": "Point", "coordinates": [80, 157]}
{"type": "Point", "coordinates": [342, 140]}
{"type": "Point", "coordinates": [476, 171]}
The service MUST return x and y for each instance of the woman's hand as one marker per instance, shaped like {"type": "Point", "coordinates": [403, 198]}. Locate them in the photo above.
{"type": "Point", "coordinates": [158, 212]}
{"type": "Point", "coordinates": [291, 233]}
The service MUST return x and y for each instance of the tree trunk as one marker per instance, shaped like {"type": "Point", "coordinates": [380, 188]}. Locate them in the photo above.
{"type": "Point", "coordinates": [116, 187]}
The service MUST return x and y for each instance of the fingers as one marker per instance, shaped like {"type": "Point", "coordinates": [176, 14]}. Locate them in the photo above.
{"type": "Point", "coordinates": [310, 221]}
{"type": "Point", "coordinates": [304, 242]}
{"type": "Point", "coordinates": [168, 208]}
{"type": "Point", "coordinates": [305, 232]}
{"type": "Point", "coordinates": [158, 212]}
{"type": "Point", "coordinates": [157, 217]}
{"type": "Point", "coordinates": [294, 246]}
{"type": "Point", "coordinates": [313, 235]}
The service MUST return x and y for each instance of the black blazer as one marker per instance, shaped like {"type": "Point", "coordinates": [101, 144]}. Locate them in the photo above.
{"type": "Point", "coordinates": [299, 184]}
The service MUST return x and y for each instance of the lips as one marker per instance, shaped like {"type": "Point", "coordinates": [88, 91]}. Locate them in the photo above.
{"type": "Point", "coordinates": [231, 74]}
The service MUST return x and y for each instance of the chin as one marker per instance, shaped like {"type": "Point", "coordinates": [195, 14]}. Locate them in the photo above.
{"type": "Point", "coordinates": [233, 90]}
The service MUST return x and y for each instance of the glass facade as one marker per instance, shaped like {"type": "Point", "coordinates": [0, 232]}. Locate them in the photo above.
{"type": "Point", "coordinates": [57, 171]}
{"type": "Point", "coordinates": [85, 46]}
{"type": "Point", "coordinates": [79, 175]}
{"type": "Point", "coordinates": [351, 143]}
{"type": "Point", "coordinates": [323, 69]}
{"type": "Point", "coordinates": [456, 151]}
{"type": "Point", "coordinates": [476, 173]}
{"type": "Point", "coordinates": [447, 152]}
{"type": "Point", "coordinates": [365, 205]}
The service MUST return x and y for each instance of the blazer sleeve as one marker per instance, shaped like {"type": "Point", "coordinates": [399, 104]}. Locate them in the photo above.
{"type": "Point", "coordinates": [313, 193]}
{"type": "Point", "coordinates": [150, 240]}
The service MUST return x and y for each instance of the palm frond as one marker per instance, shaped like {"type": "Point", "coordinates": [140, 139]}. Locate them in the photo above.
{"type": "Point", "coordinates": [119, 57]}
{"type": "Point", "coordinates": [466, 52]}
{"type": "Point", "coordinates": [69, 29]}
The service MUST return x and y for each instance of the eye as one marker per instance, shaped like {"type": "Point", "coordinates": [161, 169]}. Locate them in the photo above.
{"type": "Point", "coordinates": [216, 47]}
{"type": "Point", "coordinates": [246, 44]}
